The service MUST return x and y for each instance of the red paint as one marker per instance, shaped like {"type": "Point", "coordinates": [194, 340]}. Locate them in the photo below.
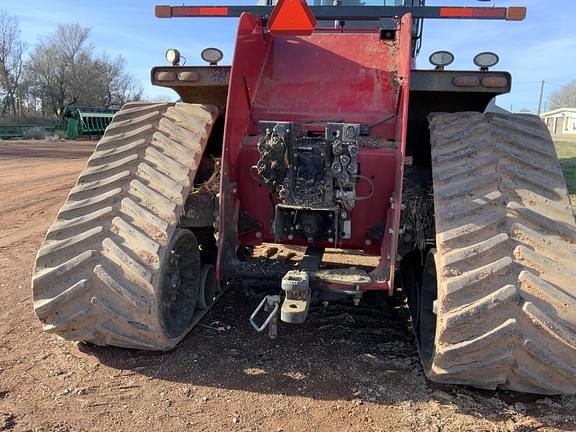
{"type": "Point", "coordinates": [252, 44]}
{"type": "Point", "coordinates": [389, 247]}
{"type": "Point", "coordinates": [292, 17]}
{"type": "Point", "coordinates": [182, 12]}
{"type": "Point", "coordinates": [326, 76]}
{"type": "Point", "coordinates": [468, 12]}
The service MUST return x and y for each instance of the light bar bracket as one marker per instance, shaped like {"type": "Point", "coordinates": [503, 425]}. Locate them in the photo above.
{"type": "Point", "coordinates": [352, 13]}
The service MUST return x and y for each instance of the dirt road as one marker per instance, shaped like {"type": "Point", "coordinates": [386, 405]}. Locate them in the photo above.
{"type": "Point", "coordinates": [346, 369]}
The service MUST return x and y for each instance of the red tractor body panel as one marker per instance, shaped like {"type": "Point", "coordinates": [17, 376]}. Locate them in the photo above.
{"type": "Point", "coordinates": [353, 77]}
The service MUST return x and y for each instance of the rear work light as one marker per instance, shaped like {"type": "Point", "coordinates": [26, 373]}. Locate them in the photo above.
{"type": "Point", "coordinates": [212, 55]}
{"type": "Point", "coordinates": [440, 59]}
{"type": "Point", "coordinates": [486, 60]}
{"type": "Point", "coordinates": [173, 56]}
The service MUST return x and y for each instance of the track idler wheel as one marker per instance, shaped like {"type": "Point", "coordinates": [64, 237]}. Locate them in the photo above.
{"type": "Point", "coordinates": [181, 282]}
{"type": "Point", "coordinates": [209, 287]}
{"type": "Point", "coordinates": [424, 315]}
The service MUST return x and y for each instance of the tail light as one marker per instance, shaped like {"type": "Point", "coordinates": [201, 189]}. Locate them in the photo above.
{"type": "Point", "coordinates": [466, 81]}
{"type": "Point", "coordinates": [495, 82]}
{"type": "Point", "coordinates": [189, 76]}
{"type": "Point", "coordinates": [165, 76]}
{"type": "Point", "coordinates": [516, 13]}
{"type": "Point", "coordinates": [477, 81]}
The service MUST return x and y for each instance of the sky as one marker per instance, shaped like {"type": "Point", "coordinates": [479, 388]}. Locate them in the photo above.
{"type": "Point", "coordinates": [542, 47]}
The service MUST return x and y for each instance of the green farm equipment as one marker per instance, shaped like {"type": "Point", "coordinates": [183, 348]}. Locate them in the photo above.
{"type": "Point", "coordinates": [87, 121]}
{"type": "Point", "coordinates": [9, 131]}
{"type": "Point", "coordinates": [76, 121]}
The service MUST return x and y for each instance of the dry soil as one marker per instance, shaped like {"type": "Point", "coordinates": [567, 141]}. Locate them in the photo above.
{"type": "Point", "coordinates": [347, 369]}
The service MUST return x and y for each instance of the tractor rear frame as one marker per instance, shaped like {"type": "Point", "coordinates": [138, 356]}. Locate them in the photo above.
{"type": "Point", "coordinates": [370, 80]}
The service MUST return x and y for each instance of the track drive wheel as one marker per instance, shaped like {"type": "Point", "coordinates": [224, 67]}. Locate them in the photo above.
{"type": "Point", "coordinates": [114, 268]}
{"type": "Point", "coordinates": [503, 275]}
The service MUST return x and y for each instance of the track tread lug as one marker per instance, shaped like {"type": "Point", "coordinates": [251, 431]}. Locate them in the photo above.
{"type": "Point", "coordinates": [507, 300]}
{"type": "Point", "coordinates": [97, 275]}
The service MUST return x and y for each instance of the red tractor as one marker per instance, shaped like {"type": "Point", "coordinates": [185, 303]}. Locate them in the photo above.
{"type": "Point", "coordinates": [324, 134]}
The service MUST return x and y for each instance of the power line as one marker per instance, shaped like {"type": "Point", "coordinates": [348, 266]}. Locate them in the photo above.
{"type": "Point", "coordinates": [540, 81]}
{"type": "Point", "coordinates": [556, 84]}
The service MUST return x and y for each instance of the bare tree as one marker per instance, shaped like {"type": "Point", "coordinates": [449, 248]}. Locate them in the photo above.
{"type": "Point", "coordinates": [564, 97]}
{"type": "Point", "coordinates": [57, 67]}
{"type": "Point", "coordinates": [11, 64]}
{"type": "Point", "coordinates": [63, 70]}
{"type": "Point", "coordinates": [116, 86]}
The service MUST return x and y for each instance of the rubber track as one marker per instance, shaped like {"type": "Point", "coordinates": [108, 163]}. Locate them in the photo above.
{"type": "Point", "coordinates": [506, 242]}
{"type": "Point", "coordinates": [97, 274]}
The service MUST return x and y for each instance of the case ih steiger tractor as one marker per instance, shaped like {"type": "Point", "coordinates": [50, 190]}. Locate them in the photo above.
{"type": "Point", "coordinates": [324, 134]}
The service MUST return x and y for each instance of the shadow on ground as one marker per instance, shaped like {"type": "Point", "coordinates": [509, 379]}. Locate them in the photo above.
{"type": "Point", "coordinates": [342, 352]}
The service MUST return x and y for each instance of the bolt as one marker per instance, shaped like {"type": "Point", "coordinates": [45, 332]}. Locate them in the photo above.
{"type": "Point", "coordinates": [325, 303]}
{"type": "Point", "coordinates": [310, 240]}
{"type": "Point", "coordinates": [356, 301]}
{"type": "Point", "coordinates": [290, 236]}
{"type": "Point", "coordinates": [330, 240]}
{"type": "Point", "coordinates": [368, 242]}
{"type": "Point", "coordinates": [258, 234]}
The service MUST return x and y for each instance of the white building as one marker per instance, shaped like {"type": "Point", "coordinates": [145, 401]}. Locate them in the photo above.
{"type": "Point", "coordinates": [561, 121]}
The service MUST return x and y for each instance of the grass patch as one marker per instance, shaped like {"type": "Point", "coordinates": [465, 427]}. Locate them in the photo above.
{"type": "Point", "coordinates": [567, 155]}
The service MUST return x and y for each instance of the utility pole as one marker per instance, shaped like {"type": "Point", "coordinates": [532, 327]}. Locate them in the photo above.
{"type": "Point", "coordinates": [540, 100]}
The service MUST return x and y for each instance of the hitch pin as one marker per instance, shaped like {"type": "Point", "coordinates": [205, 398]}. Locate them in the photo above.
{"type": "Point", "coordinates": [270, 303]}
